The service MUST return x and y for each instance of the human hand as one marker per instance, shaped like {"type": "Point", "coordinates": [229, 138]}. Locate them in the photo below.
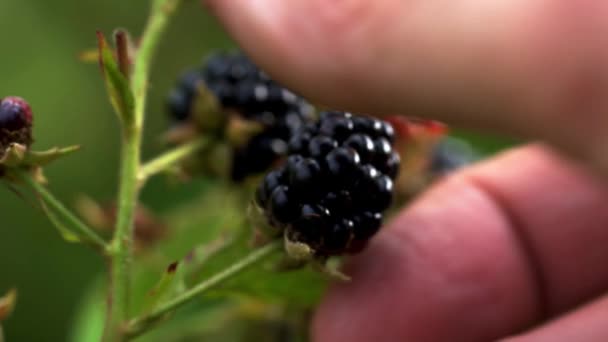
{"type": "Point", "coordinates": [499, 249]}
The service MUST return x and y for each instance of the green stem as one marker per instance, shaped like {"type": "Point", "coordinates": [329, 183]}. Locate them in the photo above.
{"type": "Point", "coordinates": [142, 324]}
{"type": "Point", "coordinates": [170, 159]}
{"type": "Point", "coordinates": [82, 229]}
{"type": "Point", "coordinates": [122, 242]}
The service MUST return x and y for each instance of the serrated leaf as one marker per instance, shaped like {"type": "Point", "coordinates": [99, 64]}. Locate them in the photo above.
{"type": "Point", "coordinates": [7, 304]}
{"type": "Point", "coordinates": [117, 85]}
{"type": "Point", "coordinates": [42, 158]}
{"type": "Point", "coordinates": [65, 232]}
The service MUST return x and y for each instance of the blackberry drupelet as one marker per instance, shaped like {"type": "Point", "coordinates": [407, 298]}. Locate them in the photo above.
{"type": "Point", "coordinates": [242, 89]}
{"type": "Point", "coordinates": [15, 123]}
{"type": "Point", "coordinates": [333, 189]}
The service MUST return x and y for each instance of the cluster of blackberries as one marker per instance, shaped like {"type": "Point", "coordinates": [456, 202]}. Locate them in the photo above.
{"type": "Point", "coordinates": [335, 185]}
{"type": "Point", "coordinates": [15, 123]}
{"type": "Point", "coordinates": [242, 88]}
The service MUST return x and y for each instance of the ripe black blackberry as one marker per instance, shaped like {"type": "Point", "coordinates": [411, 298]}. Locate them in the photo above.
{"type": "Point", "coordinates": [331, 192]}
{"type": "Point", "coordinates": [15, 123]}
{"type": "Point", "coordinates": [242, 89]}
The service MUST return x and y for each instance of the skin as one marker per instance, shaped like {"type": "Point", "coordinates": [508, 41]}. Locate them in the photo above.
{"type": "Point", "coordinates": [513, 248]}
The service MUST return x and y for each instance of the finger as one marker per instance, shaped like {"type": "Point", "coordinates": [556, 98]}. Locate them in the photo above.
{"type": "Point", "coordinates": [486, 254]}
{"type": "Point", "coordinates": [530, 68]}
{"type": "Point", "coordinates": [589, 324]}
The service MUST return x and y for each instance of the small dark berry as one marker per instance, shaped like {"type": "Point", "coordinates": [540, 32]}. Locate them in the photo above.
{"type": "Point", "coordinates": [388, 131]}
{"type": "Point", "coordinates": [299, 144]}
{"type": "Point", "coordinates": [179, 105]}
{"type": "Point", "coordinates": [266, 118]}
{"type": "Point", "coordinates": [241, 69]}
{"type": "Point", "coordinates": [363, 144]}
{"type": "Point", "coordinates": [392, 165]}
{"type": "Point", "coordinates": [342, 163]}
{"type": "Point", "coordinates": [245, 95]}
{"type": "Point", "coordinates": [15, 113]}
{"type": "Point", "coordinates": [367, 224]}
{"type": "Point", "coordinates": [15, 122]}
{"type": "Point", "coordinates": [218, 66]}
{"type": "Point", "coordinates": [312, 222]}
{"type": "Point", "coordinates": [271, 181]}
{"type": "Point", "coordinates": [382, 195]}
{"type": "Point", "coordinates": [291, 164]}
{"type": "Point", "coordinates": [338, 203]}
{"type": "Point", "coordinates": [382, 151]}
{"type": "Point", "coordinates": [362, 124]}
{"type": "Point", "coordinates": [337, 237]}
{"type": "Point", "coordinates": [331, 115]}
{"type": "Point", "coordinates": [338, 128]}
{"type": "Point", "coordinates": [368, 172]}
{"type": "Point", "coordinates": [320, 146]}
{"type": "Point", "coordinates": [283, 209]}
{"type": "Point", "coordinates": [225, 93]}
{"type": "Point", "coordinates": [190, 81]}
{"type": "Point", "coordinates": [304, 177]}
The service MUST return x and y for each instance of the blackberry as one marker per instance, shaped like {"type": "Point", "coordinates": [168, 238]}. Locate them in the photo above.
{"type": "Point", "coordinates": [15, 123]}
{"type": "Point", "coordinates": [333, 189]}
{"type": "Point", "coordinates": [241, 89]}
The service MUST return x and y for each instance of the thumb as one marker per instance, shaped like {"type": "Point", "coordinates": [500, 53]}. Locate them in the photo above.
{"type": "Point", "coordinates": [533, 69]}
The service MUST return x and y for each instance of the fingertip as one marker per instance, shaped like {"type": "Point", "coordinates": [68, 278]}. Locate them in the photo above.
{"type": "Point", "coordinates": [451, 251]}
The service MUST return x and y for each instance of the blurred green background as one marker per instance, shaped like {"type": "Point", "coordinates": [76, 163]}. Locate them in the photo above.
{"type": "Point", "coordinates": [41, 41]}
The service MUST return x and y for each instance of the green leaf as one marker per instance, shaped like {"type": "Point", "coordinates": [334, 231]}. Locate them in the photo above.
{"type": "Point", "coordinates": [90, 312]}
{"type": "Point", "coordinates": [264, 282]}
{"type": "Point", "coordinates": [117, 85]}
{"type": "Point", "coordinates": [42, 158]}
{"type": "Point", "coordinates": [170, 284]}
{"type": "Point", "coordinates": [65, 232]}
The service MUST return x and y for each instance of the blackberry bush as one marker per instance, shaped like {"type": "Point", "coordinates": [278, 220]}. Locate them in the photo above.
{"type": "Point", "coordinates": [245, 93]}
{"type": "Point", "coordinates": [337, 182]}
{"type": "Point", "coordinates": [331, 180]}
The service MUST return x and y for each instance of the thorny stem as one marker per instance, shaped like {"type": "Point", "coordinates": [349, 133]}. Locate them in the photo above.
{"type": "Point", "coordinates": [140, 325]}
{"type": "Point", "coordinates": [170, 159]}
{"type": "Point", "coordinates": [121, 246]}
{"type": "Point", "coordinates": [83, 230]}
